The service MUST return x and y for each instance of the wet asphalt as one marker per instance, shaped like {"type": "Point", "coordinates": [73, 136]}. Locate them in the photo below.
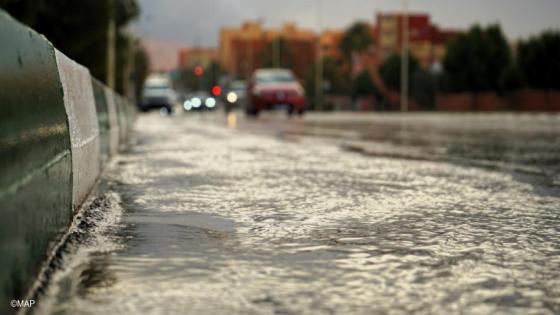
{"type": "Point", "coordinates": [344, 213]}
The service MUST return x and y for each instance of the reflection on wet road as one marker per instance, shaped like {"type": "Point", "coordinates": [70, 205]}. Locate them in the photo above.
{"type": "Point", "coordinates": [348, 215]}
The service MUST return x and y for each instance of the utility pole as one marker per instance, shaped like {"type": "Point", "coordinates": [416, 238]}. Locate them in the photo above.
{"type": "Point", "coordinates": [111, 46]}
{"type": "Point", "coordinates": [319, 63]}
{"type": "Point", "coordinates": [404, 57]}
{"type": "Point", "coordinates": [129, 68]}
{"type": "Point", "coordinates": [276, 63]}
{"type": "Point", "coordinates": [249, 53]}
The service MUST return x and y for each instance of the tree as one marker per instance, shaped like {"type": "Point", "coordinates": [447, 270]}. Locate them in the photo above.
{"type": "Point", "coordinates": [79, 29]}
{"type": "Point", "coordinates": [356, 39]}
{"type": "Point", "coordinates": [336, 79]}
{"type": "Point", "coordinates": [513, 78]}
{"type": "Point", "coordinates": [477, 60]}
{"type": "Point", "coordinates": [539, 60]}
{"type": "Point", "coordinates": [390, 70]}
{"type": "Point", "coordinates": [363, 85]}
{"type": "Point", "coordinates": [423, 85]}
{"type": "Point", "coordinates": [210, 76]}
{"type": "Point", "coordinates": [141, 68]}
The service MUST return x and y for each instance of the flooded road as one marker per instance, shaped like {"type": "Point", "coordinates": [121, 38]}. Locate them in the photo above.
{"type": "Point", "coordinates": [348, 214]}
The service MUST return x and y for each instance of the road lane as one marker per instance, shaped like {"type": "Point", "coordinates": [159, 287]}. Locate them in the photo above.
{"type": "Point", "coordinates": [270, 218]}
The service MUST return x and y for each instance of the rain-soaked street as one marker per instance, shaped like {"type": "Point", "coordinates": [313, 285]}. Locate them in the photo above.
{"type": "Point", "coordinates": [345, 214]}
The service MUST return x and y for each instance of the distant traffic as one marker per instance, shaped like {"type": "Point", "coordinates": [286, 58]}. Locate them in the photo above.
{"type": "Point", "coordinates": [267, 89]}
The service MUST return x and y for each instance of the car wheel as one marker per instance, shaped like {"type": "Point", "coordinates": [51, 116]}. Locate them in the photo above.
{"type": "Point", "coordinates": [251, 112]}
{"type": "Point", "coordinates": [290, 110]}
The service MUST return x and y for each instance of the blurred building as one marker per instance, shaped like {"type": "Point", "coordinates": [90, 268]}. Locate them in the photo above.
{"type": "Point", "coordinates": [246, 48]}
{"type": "Point", "coordinates": [250, 46]}
{"type": "Point", "coordinates": [196, 56]}
{"type": "Point", "coordinates": [330, 43]}
{"type": "Point", "coordinates": [230, 52]}
{"type": "Point", "coordinates": [427, 41]}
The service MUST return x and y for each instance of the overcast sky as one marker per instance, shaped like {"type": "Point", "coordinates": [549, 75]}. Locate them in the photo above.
{"type": "Point", "coordinates": [197, 22]}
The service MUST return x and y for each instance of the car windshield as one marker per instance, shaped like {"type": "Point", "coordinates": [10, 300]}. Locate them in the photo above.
{"type": "Point", "coordinates": [156, 87]}
{"type": "Point", "coordinates": [270, 77]}
{"type": "Point", "coordinates": [238, 86]}
{"type": "Point", "coordinates": [157, 91]}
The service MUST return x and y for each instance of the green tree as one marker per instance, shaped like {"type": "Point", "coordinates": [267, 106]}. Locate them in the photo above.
{"type": "Point", "coordinates": [539, 60]}
{"type": "Point", "coordinates": [141, 68]}
{"type": "Point", "coordinates": [356, 39]}
{"type": "Point", "coordinates": [363, 85]}
{"type": "Point", "coordinates": [423, 85]}
{"type": "Point", "coordinates": [390, 70]}
{"type": "Point", "coordinates": [210, 77]}
{"type": "Point", "coordinates": [188, 80]}
{"type": "Point", "coordinates": [79, 29]}
{"type": "Point", "coordinates": [477, 60]}
{"type": "Point", "coordinates": [513, 78]}
{"type": "Point", "coordinates": [336, 79]}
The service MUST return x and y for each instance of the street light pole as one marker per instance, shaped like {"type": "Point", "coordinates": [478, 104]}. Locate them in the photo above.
{"type": "Point", "coordinates": [404, 57]}
{"type": "Point", "coordinates": [319, 65]}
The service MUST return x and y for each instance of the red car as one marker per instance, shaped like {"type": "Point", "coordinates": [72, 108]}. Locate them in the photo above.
{"type": "Point", "coordinates": [272, 88]}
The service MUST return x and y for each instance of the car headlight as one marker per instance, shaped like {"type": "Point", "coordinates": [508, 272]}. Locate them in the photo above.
{"type": "Point", "coordinates": [210, 102]}
{"type": "Point", "coordinates": [196, 102]}
{"type": "Point", "coordinates": [231, 97]}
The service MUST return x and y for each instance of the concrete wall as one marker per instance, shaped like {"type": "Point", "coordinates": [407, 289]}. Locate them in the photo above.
{"type": "Point", "coordinates": [56, 135]}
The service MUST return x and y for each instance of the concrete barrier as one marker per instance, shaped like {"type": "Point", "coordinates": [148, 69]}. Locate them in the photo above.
{"type": "Point", "coordinates": [104, 127]}
{"type": "Point", "coordinates": [35, 157]}
{"type": "Point", "coordinates": [125, 116]}
{"type": "Point", "coordinates": [113, 122]}
{"type": "Point", "coordinates": [82, 122]}
{"type": "Point", "coordinates": [55, 136]}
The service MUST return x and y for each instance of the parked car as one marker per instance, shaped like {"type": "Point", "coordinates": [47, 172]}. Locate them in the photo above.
{"type": "Point", "coordinates": [157, 93]}
{"type": "Point", "coordinates": [235, 95]}
{"type": "Point", "coordinates": [274, 88]}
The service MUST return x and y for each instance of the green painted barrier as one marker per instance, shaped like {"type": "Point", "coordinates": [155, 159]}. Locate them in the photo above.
{"type": "Point", "coordinates": [58, 128]}
{"type": "Point", "coordinates": [35, 157]}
